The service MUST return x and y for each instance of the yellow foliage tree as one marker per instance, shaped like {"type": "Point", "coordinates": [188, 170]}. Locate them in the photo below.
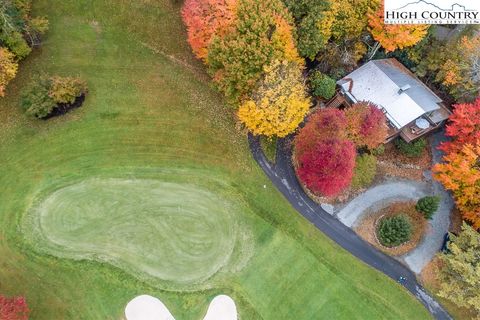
{"type": "Point", "coordinates": [280, 102]}
{"type": "Point", "coordinates": [8, 69]}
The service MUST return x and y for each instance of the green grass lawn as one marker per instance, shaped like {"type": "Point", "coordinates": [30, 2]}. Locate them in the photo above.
{"type": "Point", "coordinates": [93, 202]}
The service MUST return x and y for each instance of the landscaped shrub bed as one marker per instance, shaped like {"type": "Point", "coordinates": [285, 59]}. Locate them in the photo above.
{"type": "Point", "coordinates": [367, 227]}
{"type": "Point", "coordinates": [413, 149]}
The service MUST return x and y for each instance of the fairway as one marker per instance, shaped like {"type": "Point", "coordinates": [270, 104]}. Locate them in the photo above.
{"type": "Point", "coordinates": [150, 188]}
{"type": "Point", "coordinates": [177, 232]}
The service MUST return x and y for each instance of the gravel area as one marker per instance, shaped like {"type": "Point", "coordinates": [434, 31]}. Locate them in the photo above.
{"type": "Point", "coordinates": [385, 194]}
{"type": "Point", "coordinates": [379, 197]}
{"type": "Point", "coordinates": [424, 253]}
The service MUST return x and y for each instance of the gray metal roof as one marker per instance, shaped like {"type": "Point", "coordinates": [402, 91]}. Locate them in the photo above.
{"type": "Point", "coordinates": [401, 76]}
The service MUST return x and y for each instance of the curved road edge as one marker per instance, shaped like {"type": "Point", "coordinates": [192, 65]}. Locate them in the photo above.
{"type": "Point", "coordinates": [283, 177]}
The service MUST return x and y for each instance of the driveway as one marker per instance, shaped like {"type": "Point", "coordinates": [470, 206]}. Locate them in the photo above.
{"type": "Point", "coordinates": [283, 177]}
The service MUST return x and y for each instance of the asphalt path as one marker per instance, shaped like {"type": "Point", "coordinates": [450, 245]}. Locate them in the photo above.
{"type": "Point", "coordinates": [283, 177]}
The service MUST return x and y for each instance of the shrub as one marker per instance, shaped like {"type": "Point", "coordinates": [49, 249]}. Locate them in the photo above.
{"type": "Point", "coordinates": [365, 170]}
{"type": "Point", "coordinates": [428, 206]}
{"type": "Point", "coordinates": [44, 94]}
{"type": "Point", "coordinates": [35, 99]}
{"type": "Point", "coordinates": [378, 151]}
{"type": "Point", "coordinates": [14, 308]}
{"type": "Point", "coordinates": [393, 231]}
{"type": "Point", "coordinates": [66, 89]}
{"type": "Point", "coordinates": [412, 150]}
{"type": "Point", "coordinates": [322, 85]}
{"type": "Point", "coordinates": [17, 45]}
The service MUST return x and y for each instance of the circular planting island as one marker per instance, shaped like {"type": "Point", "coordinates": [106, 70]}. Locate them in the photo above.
{"type": "Point", "coordinates": [396, 229]}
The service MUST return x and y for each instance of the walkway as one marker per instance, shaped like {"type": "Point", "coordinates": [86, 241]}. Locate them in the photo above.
{"type": "Point", "coordinates": [283, 177]}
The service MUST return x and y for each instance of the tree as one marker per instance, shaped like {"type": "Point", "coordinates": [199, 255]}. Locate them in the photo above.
{"type": "Point", "coordinates": [14, 308]}
{"type": "Point", "coordinates": [342, 22]}
{"type": "Point", "coordinates": [327, 168]}
{"type": "Point", "coordinates": [322, 125]}
{"type": "Point", "coordinates": [460, 72]}
{"type": "Point", "coordinates": [461, 267]}
{"type": "Point", "coordinates": [18, 30]}
{"type": "Point", "coordinates": [263, 34]}
{"type": "Point", "coordinates": [461, 174]}
{"type": "Point", "coordinates": [313, 27]}
{"type": "Point", "coordinates": [463, 127]}
{"type": "Point", "coordinates": [394, 36]}
{"type": "Point", "coordinates": [279, 104]}
{"type": "Point", "coordinates": [322, 85]}
{"type": "Point", "coordinates": [366, 125]}
{"type": "Point", "coordinates": [206, 19]}
{"type": "Point", "coordinates": [8, 69]}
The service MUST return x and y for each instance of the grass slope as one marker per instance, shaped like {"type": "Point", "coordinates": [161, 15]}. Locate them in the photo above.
{"type": "Point", "coordinates": [150, 108]}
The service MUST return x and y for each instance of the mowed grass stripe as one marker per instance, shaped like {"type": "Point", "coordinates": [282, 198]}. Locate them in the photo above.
{"type": "Point", "coordinates": [148, 110]}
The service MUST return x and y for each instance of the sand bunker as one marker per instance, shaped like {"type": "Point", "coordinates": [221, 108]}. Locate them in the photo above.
{"type": "Point", "coordinates": [146, 307]}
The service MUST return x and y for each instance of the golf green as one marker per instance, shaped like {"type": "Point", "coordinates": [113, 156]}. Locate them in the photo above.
{"type": "Point", "coordinates": [177, 232]}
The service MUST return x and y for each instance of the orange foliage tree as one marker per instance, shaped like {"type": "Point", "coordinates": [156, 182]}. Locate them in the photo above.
{"type": "Point", "coordinates": [394, 36]}
{"type": "Point", "coordinates": [461, 174]}
{"type": "Point", "coordinates": [206, 19]}
{"type": "Point", "coordinates": [366, 125]}
{"type": "Point", "coordinates": [463, 127]}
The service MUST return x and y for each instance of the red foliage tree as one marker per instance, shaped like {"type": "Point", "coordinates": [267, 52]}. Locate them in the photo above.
{"type": "Point", "coordinates": [327, 168]}
{"type": "Point", "coordinates": [464, 127]}
{"type": "Point", "coordinates": [14, 308]}
{"type": "Point", "coordinates": [366, 125]}
{"type": "Point", "coordinates": [324, 124]}
{"type": "Point", "coordinates": [205, 19]}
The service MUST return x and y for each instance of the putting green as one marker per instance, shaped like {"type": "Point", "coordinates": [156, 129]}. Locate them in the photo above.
{"type": "Point", "coordinates": [177, 232]}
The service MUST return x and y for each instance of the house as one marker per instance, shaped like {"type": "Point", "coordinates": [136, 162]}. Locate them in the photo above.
{"type": "Point", "coordinates": [411, 108]}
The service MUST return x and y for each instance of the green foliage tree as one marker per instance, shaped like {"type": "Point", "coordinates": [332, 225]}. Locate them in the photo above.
{"type": "Point", "coordinates": [322, 85]}
{"type": "Point", "coordinates": [414, 149]}
{"type": "Point", "coordinates": [428, 206]}
{"type": "Point", "coordinates": [264, 33]}
{"type": "Point", "coordinates": [461, 269]}
{"type": "Point", "coordinates": [18, 29]}
{"type": "Point", "coordinates": [309, 19]}
{"type": "Point", "coordinates": [365, 171]}
{"type": "Point", "coordinates": [35, 99]}
{"type": "Point", "coordinates": [395, 230]}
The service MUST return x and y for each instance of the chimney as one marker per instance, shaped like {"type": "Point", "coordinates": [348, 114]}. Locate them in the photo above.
{"type": "Point", "coordinates": [404, 88]}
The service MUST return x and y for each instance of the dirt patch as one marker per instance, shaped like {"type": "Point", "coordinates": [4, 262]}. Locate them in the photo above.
{"type": "Point", "coordinates": [395, 164]}
{"type": "Point", "coordinates": [366, 229]}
